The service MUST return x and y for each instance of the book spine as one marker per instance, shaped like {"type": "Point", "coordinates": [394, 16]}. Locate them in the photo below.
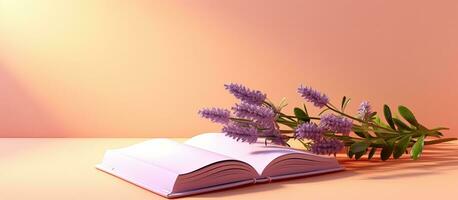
{"type": "Point", "coordinates": [288, 176]}
{"type": "Point", "coordinates": [210, 189]}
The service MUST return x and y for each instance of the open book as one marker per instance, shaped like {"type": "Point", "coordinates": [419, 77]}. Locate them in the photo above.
{"type": "Point", "coordinates": [209, 162]}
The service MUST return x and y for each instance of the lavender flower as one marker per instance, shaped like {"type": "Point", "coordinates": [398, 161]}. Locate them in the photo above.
{"type": "Point", "coordinates": [311, 95]}
{"type": "Point", "coordinates": [218, 115]}
{"type": "Point", "coordinates": [364, 110]}
{"type": "Point", "coordinates": [246, 95]}
{"type": "Point", "coordinates": [258, 113]}
{"type": "Point", "coordinates": [243, 133]}
{"type": "Point", "coordinates": [326, 146]}
{"type": "Point", "coordinates": [309, 131]}
{"type": "Point", "coordinates": [336, 123]}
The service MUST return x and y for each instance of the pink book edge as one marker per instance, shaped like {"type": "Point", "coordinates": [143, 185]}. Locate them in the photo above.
{"type": "Point", "coordinates": [222, 186]}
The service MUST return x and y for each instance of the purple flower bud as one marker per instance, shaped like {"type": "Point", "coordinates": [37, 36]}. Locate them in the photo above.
{"type": "Point", "coordinates": [311, 95]}
{"type": "Point", "coordinates": [337, 124]}
{"type": "Point", "coordinates": [246, 95]}
{"type": "Point", "coordinates": [217, 115]}
{"type": "Point", "coordinates": [326, 146]}
{"type": "Point", "coordinates": [364, 110]}
{"type": "Point", "coordinates": [257, 113]}
{"type": "Point", "coordinates": [241, 133]}
{"type": "Point", "coordinates": [309, 131]}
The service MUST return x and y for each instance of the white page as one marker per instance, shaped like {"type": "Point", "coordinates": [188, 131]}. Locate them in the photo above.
{"type": "Point", "coordinates": [257, 155]}
{"type": "Point", "coordinates": [173, 156]}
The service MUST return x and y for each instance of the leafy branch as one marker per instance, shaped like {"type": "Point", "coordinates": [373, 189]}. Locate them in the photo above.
{"type": "Point", "coordinates": [328, 132]}
{"type": "Point", "coordinates": [393, 138]}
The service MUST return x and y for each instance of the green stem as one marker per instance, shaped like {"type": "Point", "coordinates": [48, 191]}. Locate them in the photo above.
{"type": "Point", "coordinates": [239, 119]}
{"type": "Point", "coordinates": [285, 117]}
{"type": "Point", "coordinates": [317, 118]}
{"type": "Point", "coordinates": [267, 103]}
{"type": "Point", "coordinates": [273, 137]}
{"type": "Point", "coordinates": [340, 137]}
{"type": "Point", "coordinates": [287, 131]}
{"type": "Point", "coordinates": [370, 129]}
{"type": "Point", "coordinates": [287, 123]}
{"type": "Point", "coordinates": [430, 142]}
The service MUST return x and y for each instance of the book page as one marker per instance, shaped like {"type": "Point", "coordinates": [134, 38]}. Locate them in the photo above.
{"type": "Point", "coordinates": [257, 154]}
{"type": "Point", "coordinates": [173, 156]}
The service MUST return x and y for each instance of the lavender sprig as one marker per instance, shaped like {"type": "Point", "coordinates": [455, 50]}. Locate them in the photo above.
{"type": "Point", "coordinates": [218, 115]}
{"type": "Point", "coordinates": [257, 117]}
{"type": "Point", "coordinates": [309, 131]}
{"type": "Point", "coordinates": [326, 146]}
{"type": "Point", "coordinates": [257, 113]}
{"type": "Point", "coordinates": [311, 95]}
{"type": "Point", "coordinates": [364, 110]}
{"type": "Point", "coordinates": [241, 133]}
{"type": "Point", "coordinates": [254, 97]}
{"type": "Point", "coordinates": [336, 124]}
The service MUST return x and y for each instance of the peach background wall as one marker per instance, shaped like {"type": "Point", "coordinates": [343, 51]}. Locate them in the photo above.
{"type": "Point", "coordinates": [140, 68]}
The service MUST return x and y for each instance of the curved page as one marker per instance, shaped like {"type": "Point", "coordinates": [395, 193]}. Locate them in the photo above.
{"type": "Point", "coordinates": [257, 155]}
{"type": "Point", "coordinates": [173, 156]}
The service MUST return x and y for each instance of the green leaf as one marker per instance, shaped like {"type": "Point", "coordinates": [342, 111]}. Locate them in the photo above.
{"type": "Point", "coordinates": [340, 137]}
{"type": "Point", "coordinates": [360, 134]}
{"type": "Point", "coordinates": [282, 104]}
{"type": "Point", "coordinates": [359, 128]}
{"type": "Point", "coordinates": [401, 125]}
{"type": "Point", "coordinates": [408, 115]}
{"type": "Point", "coordinates": [379, 141]}
{"type": "Point", "coordinates": [284, 118]}
{"type": "Point", "coordinates": [305, 110]}
{"type": "Point", "coordinates": [439, 133]}
{"type": "Point", "coordinates": [324, 110]}
{"type": "Point", "coordinates": [350, 154]}
{"type": "Point", "coordinates": [360, 131]}
{"type": "Point", "coordinates": [359, 147]}
{"type": "Point", "coordinates": [301, 115]}
{"type": "Point", "coordinates": [387, 150]}
{"type": "Point", "coordinates": [372, 115]}
{"type": "Point", "coordinates": [439, 129]}
{"type": "Point", "coordinates": [434, 134]}
{"type": "Point", "coordinates": [377, 120]}
{"type": "Point", "coordinates": [401, 146]}
{"type": "Point", "coordinates": [388, 116]}
{"type": "Point", "coordinates": [417, 148]}
{"type": "Point", "coordinates": [344, 99]}
{"type": "Point", "coordinates": [346, 103]}
{"type": "Point", "coordinates": [371, 153]}
{"type": "Point", "coordinates": [359, 155]}
{"type": "Point", "coordinates": [286, 123]}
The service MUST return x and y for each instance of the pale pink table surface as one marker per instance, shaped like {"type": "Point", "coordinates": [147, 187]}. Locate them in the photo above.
{"type": "Point", "coordinates": [64, 169]}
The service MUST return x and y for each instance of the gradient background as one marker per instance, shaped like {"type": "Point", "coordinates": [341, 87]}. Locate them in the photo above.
{"type": "Point", "coordinates": [139, 68]}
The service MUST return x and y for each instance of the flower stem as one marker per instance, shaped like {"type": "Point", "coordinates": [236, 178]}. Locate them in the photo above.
{"type": "Point", "coordinates": [317, 118]}
{"type": "Point", "coordinates": [239, 119]}
{"type": "Point", "coordinates": [287, 123]}
{"type": "Point", "coordinates": [287, 131]}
